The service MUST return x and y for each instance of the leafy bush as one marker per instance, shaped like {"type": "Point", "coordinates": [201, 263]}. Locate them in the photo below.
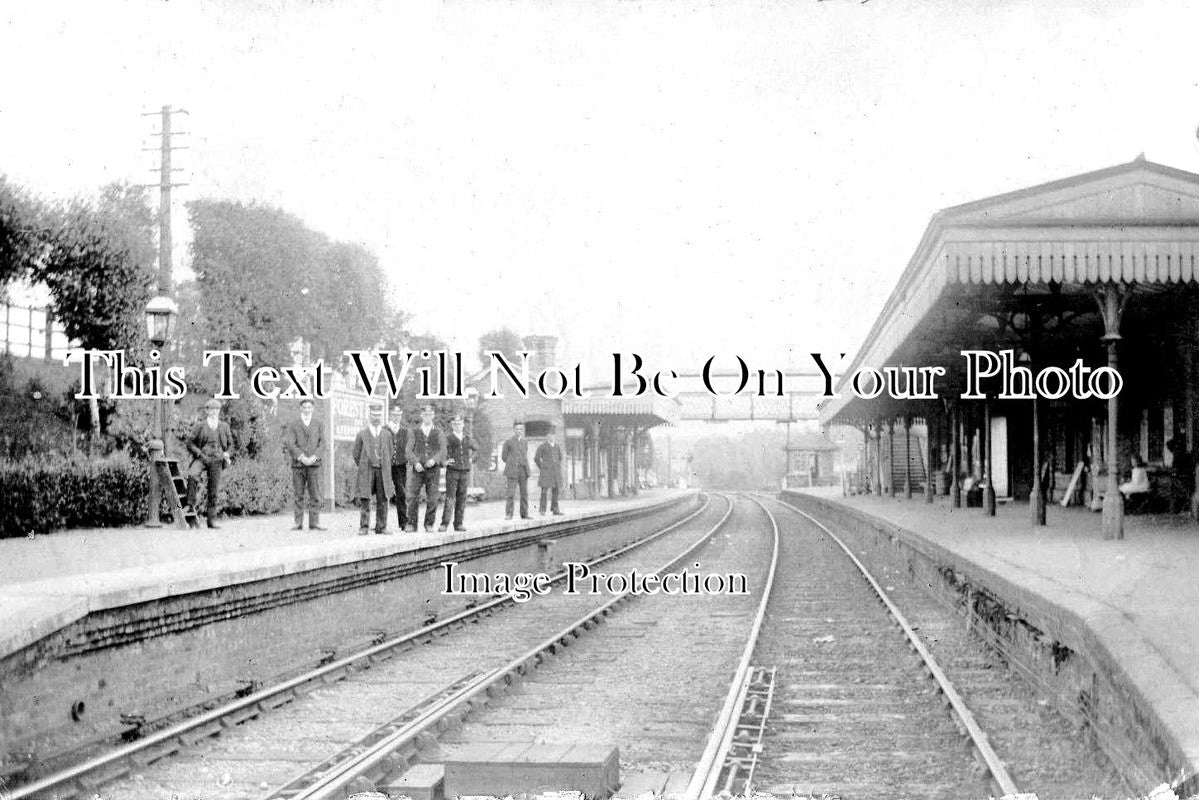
{"type": "Point", "coordinates": [45, 493]}
{"type": "Point", "coordinates": [256, 487]}
{"type": "Point", "coordinates": [36, 413]}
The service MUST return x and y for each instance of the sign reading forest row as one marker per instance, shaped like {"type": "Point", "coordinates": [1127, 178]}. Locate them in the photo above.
{"type": "Point", "coordinates": [351, 412]}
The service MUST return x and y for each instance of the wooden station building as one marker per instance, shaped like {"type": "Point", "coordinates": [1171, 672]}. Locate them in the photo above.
{"type": "Point", "coordinates": [1100, 267]}
{"type": "Point", "coordinates": [605, 440]}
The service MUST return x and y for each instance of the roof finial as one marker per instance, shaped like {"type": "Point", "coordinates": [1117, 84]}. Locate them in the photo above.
{"type": "Point", "coordinates": [1140, 157]}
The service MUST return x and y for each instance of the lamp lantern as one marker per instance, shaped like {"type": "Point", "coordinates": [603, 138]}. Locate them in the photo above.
{"type": "Point", "coordinates": [160, 317]}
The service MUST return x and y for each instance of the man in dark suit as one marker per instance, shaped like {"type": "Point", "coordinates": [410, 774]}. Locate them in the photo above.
{"type": "Point", "coordinates": [304, 439]}
{"type": "Point", "coordinates": [548, 459]}
{"type": "Point", "coordinates": [210, 444]}
{"type": "Point", "coordinates": [515, 455]}
{"type": "Point", "coordinates": [426, 453]}
{"type": "Point", "coordinates": [372, 456]}
{"type": "Point", "coordinates": [458, 450]}
{"type": "Point", "coordinates": [399, 467]}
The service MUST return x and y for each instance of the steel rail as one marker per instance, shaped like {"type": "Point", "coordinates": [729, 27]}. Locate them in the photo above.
{"type": "Point", "coordinates": [415, 711]}
{"type": "Point", "coordinates": [977, 736]}
{"type": "Point", "coordinates": [335, 782]}
{"type": "Point", "coordinates": [711, 763]}
{"type": "Point", "coordinates": [120, 760]}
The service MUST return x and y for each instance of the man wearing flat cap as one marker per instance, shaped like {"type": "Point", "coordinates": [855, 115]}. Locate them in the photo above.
{"type": "Point", "coordinates": [548, 459]}
{"type": "Point", "coordinates": [426, 456]}
{"type": "Point", "coordinates": [459, 450]}
{"type": "Point", "coordinates": [516, 469]}
{"type": "Point", "coordinates": [304, 439]}
{"type": "Point", "coordinates": [210, 444]}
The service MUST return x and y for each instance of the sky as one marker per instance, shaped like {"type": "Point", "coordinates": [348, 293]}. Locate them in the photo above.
{"type": "Point", "coordinates": [678, 180]}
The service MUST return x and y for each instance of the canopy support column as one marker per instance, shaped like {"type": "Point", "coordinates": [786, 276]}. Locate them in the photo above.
{"type": "Point", "coordinates": [1111, 305]}
{"type": "Point", "coordinates": [988, 479]}
{"type": "Point", "coordinates": [891, 458]}
{"type": "Point", "coordinates": [928, 458]}
{"type": "Point", "coordinates": [876, 481]}
{"type": "Point", "coordinates": [955, 485]}
{"type": "Point", "coordinates": [907, 457]}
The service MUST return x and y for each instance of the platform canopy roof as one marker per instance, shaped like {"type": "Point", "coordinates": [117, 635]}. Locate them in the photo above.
{"type": "Point", "coordinates": [980, 265]}
{"type": "Point", "coordinates": [811, 442]}
{"type": "Point", "coordinates": [628, 412]}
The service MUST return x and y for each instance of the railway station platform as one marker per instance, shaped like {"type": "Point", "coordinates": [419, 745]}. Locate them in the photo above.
{"type": "Point", "coordinates": [107, 631]}
{"type": "Point", "coordinates": [1130, 607]}
{"type": "Point", "coordinates": [48, 582]}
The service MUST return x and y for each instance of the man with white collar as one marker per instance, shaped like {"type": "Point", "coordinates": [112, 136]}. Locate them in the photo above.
{"type": "Point", "coordinates": [426, 454]}
{"type": "Point", "coordinates": [210, 444]}
{"type": "Point", "coordinates": [372, 456]}
{"type": "Point", "coordinates": [304, 439]}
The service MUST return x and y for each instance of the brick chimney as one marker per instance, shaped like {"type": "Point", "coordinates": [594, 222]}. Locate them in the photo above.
{"type": "Point", "coordinates": [541, 350]}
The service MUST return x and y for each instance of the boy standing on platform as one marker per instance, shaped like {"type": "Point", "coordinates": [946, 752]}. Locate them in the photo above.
{"type": "Point", "coordinates": [459, 450]}
{"type": "Point", "coordinates": [372, 456]}
{"type": "Point", "coordinates": [549, 461]}
{"type": "Point", "coordinates": [304, 439]}
{"type": "Point", "coordinates": [210, 444]}
{"type": "Point", "coordinates": [426, 452]}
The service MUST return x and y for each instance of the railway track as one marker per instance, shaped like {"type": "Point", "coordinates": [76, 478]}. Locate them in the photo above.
{"type": "Point", "coordinates": [352, 705]}
{"type": "Point", "coordinates": [850, 699]}
{"type": "Point", "coordinates": [1048, 754]}
{"type": "Point", "coordinates": [858, 707]}
{"type": "Point", "coordinates": [818, 683]}
{"type": "Point", "coordinates": [650, 680]}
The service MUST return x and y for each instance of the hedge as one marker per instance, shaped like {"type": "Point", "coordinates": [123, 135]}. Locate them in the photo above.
{"type": "Point", "coordinates": [45, 493]}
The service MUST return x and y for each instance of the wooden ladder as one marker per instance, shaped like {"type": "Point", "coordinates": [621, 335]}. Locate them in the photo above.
{"type": "Point", "coordinates": [174, 486]}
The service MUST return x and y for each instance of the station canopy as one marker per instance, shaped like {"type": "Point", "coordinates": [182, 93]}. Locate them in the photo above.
{"type": "Point", "coordinates": [632, 412]}
{"type": "Point", "coordinates": [985, 272]}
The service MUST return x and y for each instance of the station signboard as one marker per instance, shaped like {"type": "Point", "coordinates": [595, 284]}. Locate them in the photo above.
{"type": "Point", "coordinates": [350, 412]}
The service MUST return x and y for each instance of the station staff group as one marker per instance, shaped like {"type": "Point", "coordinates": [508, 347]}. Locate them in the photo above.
{"type": "Point", "coordinates": [393, 465]}
{"type": "Point", "coordinates": [412, 460]}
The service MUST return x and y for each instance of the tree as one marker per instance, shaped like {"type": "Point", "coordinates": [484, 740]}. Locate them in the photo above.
{"type": "Point", "coordinates": [349, 307]}
{"type": "Point", "coordinates": [98, 262]}
{"type": "Point", "coordinates": [266, 278]}
{"type": "Point", "coordinates": [20, 231]}
{"type": "Point", "coordinates": [253, 265]}
{"type": "Point", "coordinates": [505, 340]}
{"type": "Point", "coordinates": [751, 461]}
{"type": "Point", "coordinates": [95, 254]}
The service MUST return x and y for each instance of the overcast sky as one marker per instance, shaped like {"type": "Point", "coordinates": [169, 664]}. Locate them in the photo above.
{"type": "Point", "coordinates": [673, 179]}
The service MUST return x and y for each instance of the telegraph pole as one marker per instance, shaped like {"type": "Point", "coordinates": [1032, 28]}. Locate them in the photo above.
{"type": "Point", "coordinates": [166, 284]}
{"type": "Point", "coordinates": [166, 288]}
